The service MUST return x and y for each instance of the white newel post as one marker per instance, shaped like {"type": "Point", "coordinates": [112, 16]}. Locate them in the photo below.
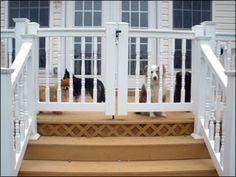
{"type": "Point", "coordinates": [229, 121]}
{"type": "Point", "coordinates": [122, 69]}
{"type": "Point", "coordinates": [210, 31]}
{"type": "Point", "coordinates": [33, 31]}
{"type": "Point", "coordinates": [196, 74]}
{"type": "Point", "coordinates": [20, 29]}
{"type": "Point", "coordinates": [7, 125]}
{"type": "Point", "coordinates": [110, 68]}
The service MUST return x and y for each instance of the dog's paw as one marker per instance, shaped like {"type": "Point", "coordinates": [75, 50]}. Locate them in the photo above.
{"type": "Point", "coordinates": [163, 114]}
{"type": "Point", "coordinates": [151, 114]}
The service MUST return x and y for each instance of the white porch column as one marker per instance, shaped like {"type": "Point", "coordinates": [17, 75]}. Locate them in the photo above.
{"type": "Point", "coordinates": [110, 58]}
{"type": "Point", "coordinates": [210, 31]}
{"type": "Point", "coordinates": [32, 32]}
{"type": "Point", "coordinates": [20, 29]}
{"type": "Point", "coordinates": [8, 158]}
{"type": "Point", "coordinates": [122, 69]}
{"type": "Point", "coordinates": [195, 91]}
{"type": "Point", "coordinates": [229, 143]}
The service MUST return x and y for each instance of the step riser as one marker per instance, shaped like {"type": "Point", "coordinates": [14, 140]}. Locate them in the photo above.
{"type": "Point", "coordinates": [116, 130]}
{"type": "Point", "coordinates": [184, 173]}
{"type": "Point", "coordinates": [114, 153]}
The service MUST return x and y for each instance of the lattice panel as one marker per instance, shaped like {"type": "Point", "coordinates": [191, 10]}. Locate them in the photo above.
{"type": "Point", "coordinates": [104, 130]}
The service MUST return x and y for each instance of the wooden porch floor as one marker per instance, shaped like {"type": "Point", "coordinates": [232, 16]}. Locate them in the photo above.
{"type": "Point", "coordinates": [98, 117]}
{"type": "Point", "coordinates": [89, 117]}
{"type": "Point", "coordinates": [93, 124]}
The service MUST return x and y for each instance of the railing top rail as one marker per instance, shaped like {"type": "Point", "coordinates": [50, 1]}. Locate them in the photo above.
{"type": "Point", "coordinates": [161, 33]}
{"type": "Point", "coordinates": [225, 36]}
{"type": "Point", "coordinates": [20, 61]}
{"type": "Point", "coordinates": [215, 65]}
{"type": "Point", "coordinates": [7, 33]}
{"type": "Point", "coordinates": [71, 32]}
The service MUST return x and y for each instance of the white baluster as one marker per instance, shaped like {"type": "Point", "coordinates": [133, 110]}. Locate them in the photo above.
{"type": "Point", "coordinates": [137, 69]}
{"type": "Point", "coordinates": [22, 121]}
{"type": "Point", "coordinates": [71, 75]}
{"type": "Point", "coordinates": [183, 70]}
{"type": "Point", "coordinates": [47, 48]}
{"type": "Point", "coordinates": [218, 109]}
{"type": "Point", "coordinates": [60, 54]}
{"type": "Point", "coordinates": [9, 52]}
{"type": "Point", "coordinates": [207, 101]}
{"type": "Point", "coordinates": [172, 76]}
{"type": "Point", "coordinates": [17, 135]}
{"type": "Point", "coordinates": [160, 73]}
{"type": "Point", "coordinates": [223, 134]}
{"type": "Point", "coordinates": [224, 56]}
{"type": "Point", "coordinates": [95, 71]}
{"type": "Point", "coordinates": [229, 65]}
{"type": "Point", "coordinates": [83, 70]}
{"type": "Point", "coordinates": [212, 111]}
{"type": "Point", "coordinates": [25, 81]}
{"type": "Point", "coordinates": [149, 71]}
{"type": "Point", "coordinates": [17, 119]}
{"type": "Point", "coordinates": [218, 49]}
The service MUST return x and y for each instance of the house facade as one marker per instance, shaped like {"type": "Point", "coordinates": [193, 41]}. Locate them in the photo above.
{"type": "Point", "coordinates": [178, 15]}
{"type": "Point", "coordinates": [113, 41]}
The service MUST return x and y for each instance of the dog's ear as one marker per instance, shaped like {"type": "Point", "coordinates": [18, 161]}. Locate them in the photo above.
{"type": "Point", "coordinates": [67, 74]}
{"type": "Point", "coordinates": [163, 69]}
{"type": "Point", "coordinates": [145, 70]}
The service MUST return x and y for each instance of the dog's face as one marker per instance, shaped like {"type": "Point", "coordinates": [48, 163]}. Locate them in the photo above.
{"type": "Point", "coordinates": [155, 72]}
{"type": "Point", "coordinates": [65, 84]}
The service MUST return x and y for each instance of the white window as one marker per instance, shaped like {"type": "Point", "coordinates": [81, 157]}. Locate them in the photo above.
{"type": "Point", "coordinates": [185, 15]}
{"type": "Point", "coordinates": [87, 14]}
{"type": "Point", "coordinates": [35, 11]}
{"type": "Point", "coordinates": [136, 14]}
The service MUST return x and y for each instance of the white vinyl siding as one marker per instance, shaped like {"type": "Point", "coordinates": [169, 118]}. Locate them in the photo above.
{"type": "Point", "coordinates": [225, 16]}
{"type": "Point", "coordinates": [3, 16]}
{"type": "Point", "coordinates": [3, 22]}
{"type": "Point", "coordinates": [56, 21]}
{"type": "Point", "coordinates": [164, 24]}
{"type": "Point", "coordinates": [165, 15]}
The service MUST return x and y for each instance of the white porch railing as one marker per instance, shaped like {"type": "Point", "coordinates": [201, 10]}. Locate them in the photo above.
{"type": "Point", "coordinates": [153, 36]}
{"type": "Point", "coordinates": [66, 36]}
{"type": "Point", "coordinates": [18, 116]}
{"type": "Point", "coordinates": [211, 89]}
{"type": "Point", "coordinates": [214, 101]}
{"type": "Point", "coordinates": [7, 36]}
{"type": "Point", "coordinates": [225, 49]}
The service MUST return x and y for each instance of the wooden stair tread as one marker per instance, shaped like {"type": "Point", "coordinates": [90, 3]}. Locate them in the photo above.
{"type": "Point", "coordinates": [115, 141]}
{"type": "Point", "coordinates": [122, 168]}
{"type": "Point", "coordinates": [100, 118]}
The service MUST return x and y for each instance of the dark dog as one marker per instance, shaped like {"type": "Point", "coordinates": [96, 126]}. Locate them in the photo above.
{"type": "Point", "coordinates": [88, 87]}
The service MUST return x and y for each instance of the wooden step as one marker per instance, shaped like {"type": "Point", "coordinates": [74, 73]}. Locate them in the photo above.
{"type": "Point", "coordinates": [80, 124]}
{"type": "Point", "coordinates": [197, 167]}
{"type": "Point", "coordinates": [115, 148]}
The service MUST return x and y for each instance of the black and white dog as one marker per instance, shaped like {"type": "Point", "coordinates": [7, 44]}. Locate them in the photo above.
{"type": "Point", "coordinates": [88, 87]}
{"type": "Point", "coordinates": [155, 85]}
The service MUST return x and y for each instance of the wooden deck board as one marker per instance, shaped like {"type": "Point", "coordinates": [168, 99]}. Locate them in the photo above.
{"type": "Point", "coordinates": [197, 167]}
{"type": "Point", "coordinates": [100, 118]}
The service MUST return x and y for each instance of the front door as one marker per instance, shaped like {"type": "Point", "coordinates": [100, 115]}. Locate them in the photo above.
{"type": "Point", "coordinates": [92, 14]}
{"type": "Point", "coordinates": [139, 15]}
{"type": "Point", "coordinates": [84, 14]}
